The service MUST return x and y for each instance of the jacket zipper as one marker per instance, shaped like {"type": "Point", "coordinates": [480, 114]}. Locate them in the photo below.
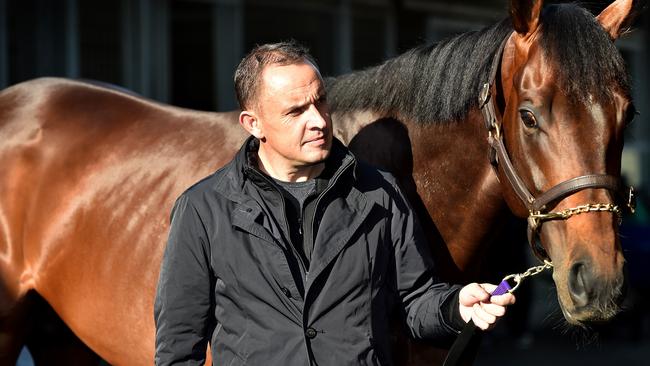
{"type": "Point", "coordinates": [303, 266]}
{"type": "Point", "coordinates": [320, 197]}
{"type": "Point", "coordinates": [302, 216]}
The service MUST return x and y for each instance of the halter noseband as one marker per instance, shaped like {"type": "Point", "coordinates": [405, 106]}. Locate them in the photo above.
{"type": "Point", "coordinates": [537, 207]}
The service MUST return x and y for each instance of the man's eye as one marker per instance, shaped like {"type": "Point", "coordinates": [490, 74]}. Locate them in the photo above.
{"type": "Point", "coordinates": [296, 111]}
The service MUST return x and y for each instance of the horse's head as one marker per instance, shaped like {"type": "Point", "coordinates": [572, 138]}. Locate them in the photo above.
{"type": "Point", "coordinates": [566, 101]}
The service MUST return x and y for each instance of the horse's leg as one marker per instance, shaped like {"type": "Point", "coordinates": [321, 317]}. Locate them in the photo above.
{"type": "Point", "coordinates": [51, 342]}
{"type": "Point", "coordinates": [13, 328]}
{"type": "Point", "coordinates": [27, 320]}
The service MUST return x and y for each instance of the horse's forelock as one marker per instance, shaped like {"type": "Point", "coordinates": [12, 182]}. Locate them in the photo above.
{"type": "Point", "coordinates": [588, 63]}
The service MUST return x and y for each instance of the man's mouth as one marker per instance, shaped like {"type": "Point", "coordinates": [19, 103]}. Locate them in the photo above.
{"type": "Point", "coordinates": [318, 141]}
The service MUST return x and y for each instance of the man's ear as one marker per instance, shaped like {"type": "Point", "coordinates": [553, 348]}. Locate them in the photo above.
{"type": "Point", "coordinates": [251, 123]}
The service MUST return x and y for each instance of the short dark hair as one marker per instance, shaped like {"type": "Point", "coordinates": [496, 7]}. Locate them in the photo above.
{"type": "Point", "coordinates": [249, 69]}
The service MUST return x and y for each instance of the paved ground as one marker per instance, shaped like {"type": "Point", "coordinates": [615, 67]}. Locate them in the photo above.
{"type": "Point", "coordinates": [549, 349]}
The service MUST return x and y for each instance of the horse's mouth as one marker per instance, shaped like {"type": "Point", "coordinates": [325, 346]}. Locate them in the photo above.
{"type": "Point", "coordinates": [593, 315]}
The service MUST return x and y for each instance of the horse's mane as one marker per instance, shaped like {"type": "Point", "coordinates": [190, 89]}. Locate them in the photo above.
{"type": "Point", "coordinates": [438, 82]}
{"type": "Point", "coordinates": [441, 82]}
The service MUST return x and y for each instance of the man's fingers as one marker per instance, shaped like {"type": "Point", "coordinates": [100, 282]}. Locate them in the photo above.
{"type": "Point", "coordinates": [483, 314]}
{"type": "Point", "coordinates": [480, 318]}
{"type": "Point", "coordinates": [503, 300]}
{"type": "Point", "coordinates": [494, 309]}
{"type": "Point", "coordinates": [476, 303]}
{"type": "Point", "coordinates": [488, 287]}
{"type": "Point", "coordinates": [480, 323]}
{"type": "Point", "coordinates": [473, 293]}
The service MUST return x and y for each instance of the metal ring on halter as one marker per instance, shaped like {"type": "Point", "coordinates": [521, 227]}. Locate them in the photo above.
{"type": "Point", "coordinates": [518, 278]}
{"type": "Point", "coordinates": [631, 200]}
{"type": "Point", "coordinates": [497, 131]}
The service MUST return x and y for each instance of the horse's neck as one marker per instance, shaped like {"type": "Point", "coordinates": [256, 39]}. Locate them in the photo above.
{"type": "Point", "coordinates": [444, 170]}
{"type": "Point", "coordinates": [348, 124]}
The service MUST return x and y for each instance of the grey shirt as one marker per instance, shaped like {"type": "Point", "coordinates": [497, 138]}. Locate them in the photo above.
{"type": "Point", "coordinates": [296, 195]}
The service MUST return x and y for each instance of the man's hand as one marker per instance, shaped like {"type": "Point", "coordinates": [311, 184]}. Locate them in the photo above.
{"type": "Point", "coordinates": [476, 304]}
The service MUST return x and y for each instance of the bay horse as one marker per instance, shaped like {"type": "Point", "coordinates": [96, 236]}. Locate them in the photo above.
{"type": "Point", "coordinates": [89, 174]}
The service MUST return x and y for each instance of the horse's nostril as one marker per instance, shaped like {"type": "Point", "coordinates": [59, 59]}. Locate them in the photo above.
{"type": "Point", "coordinates": [580, 284]}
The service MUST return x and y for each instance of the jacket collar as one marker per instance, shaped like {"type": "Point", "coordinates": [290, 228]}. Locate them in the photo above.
{"type": "Point", "coordinates": [256, 193]}
{"type": "Point", "coordinates": [339, 159]}
{"type": "Point", "coordinates": [341, 219]}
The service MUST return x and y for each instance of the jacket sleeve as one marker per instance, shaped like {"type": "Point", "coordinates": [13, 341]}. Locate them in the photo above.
{"type": "Point", "coordinates": [426, 301]}
{"type": "Point", "coordinates": [182, 308]}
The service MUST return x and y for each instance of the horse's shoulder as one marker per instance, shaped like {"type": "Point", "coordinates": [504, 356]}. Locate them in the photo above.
{"type": "Point", "coordinates": [370, 178]}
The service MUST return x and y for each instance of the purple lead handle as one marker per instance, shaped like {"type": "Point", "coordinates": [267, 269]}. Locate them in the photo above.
{"type": "Point", "coordinates": [503, 288]}
{"type": "Point", "coordinates": [467, 339]}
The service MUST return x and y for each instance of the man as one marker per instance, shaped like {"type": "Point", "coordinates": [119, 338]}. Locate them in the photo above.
{"type": "Point", "coordinates": [295, 253]}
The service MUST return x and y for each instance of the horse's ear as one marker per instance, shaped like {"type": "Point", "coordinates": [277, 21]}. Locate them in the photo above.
{"type": "Point", "coordinates": [617, 18]}
{"type": "Point", "coordinates": [525, 15]}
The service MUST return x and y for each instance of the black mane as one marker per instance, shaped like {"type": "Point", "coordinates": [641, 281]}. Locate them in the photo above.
{"type": "Point", "coordinates": [440, 82]}
{"type": "Point", "coordinates": [588, 62]}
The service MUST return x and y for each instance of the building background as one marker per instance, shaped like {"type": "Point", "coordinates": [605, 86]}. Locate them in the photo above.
{"type": "Point", "coordinates": [184, 52]}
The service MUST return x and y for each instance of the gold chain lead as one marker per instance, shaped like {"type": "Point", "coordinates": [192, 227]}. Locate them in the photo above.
{"type": "Point", "coordinates": [537, 217]}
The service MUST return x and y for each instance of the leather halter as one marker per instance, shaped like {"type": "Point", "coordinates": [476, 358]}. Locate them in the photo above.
{"type": "Point", "coordinates": [538, 207]}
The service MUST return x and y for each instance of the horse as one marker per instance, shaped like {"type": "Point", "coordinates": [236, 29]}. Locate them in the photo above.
{"type": "Point", "coordinates": [524, 118]}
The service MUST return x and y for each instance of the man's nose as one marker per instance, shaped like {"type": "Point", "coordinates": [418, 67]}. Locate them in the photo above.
{"type": "Point", "coordinates": [316, 118]}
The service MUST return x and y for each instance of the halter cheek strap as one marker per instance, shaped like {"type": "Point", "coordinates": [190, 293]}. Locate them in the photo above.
{"type": "Point", "coordinates": [538, 206]}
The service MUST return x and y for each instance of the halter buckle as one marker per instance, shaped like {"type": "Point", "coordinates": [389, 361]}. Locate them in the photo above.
{"type": "Point", "coordinates": [631, 200]}
{"type": "Point", "coordinates": [533, 221]}
{"type": "Point", "coordinates": [484, 95]}
{"type": "Point", "coordinates": [496, 135]}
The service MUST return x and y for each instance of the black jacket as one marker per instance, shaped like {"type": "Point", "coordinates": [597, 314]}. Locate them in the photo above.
{"type": "Point", "coordinates": [229, 272]}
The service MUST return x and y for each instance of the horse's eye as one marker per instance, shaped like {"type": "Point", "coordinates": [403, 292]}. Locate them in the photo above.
{"type": "Point", "coordinates": [528, 118]}
{"type": "Point", "coordinates": [630, 114]}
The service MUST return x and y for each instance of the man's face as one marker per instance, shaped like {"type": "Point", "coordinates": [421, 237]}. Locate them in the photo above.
{"type": "Point", "coordinates": [293, 116]}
